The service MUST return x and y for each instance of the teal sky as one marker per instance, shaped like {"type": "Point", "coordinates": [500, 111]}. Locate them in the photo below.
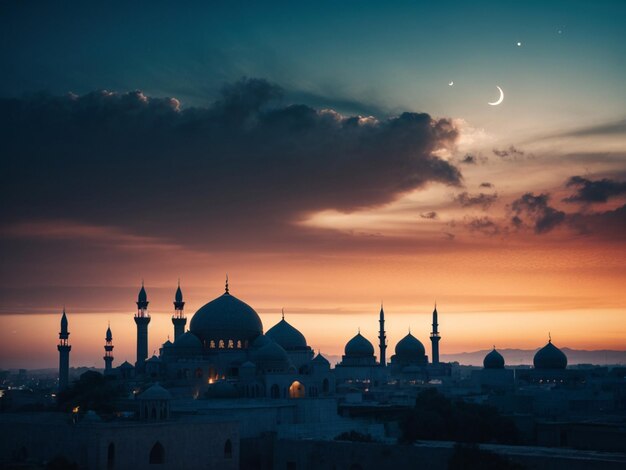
{"type": "Point", "coordinates": [354, 56]}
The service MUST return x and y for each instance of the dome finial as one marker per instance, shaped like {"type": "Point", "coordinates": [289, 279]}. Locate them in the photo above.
{"type": "Point", "coordinates": [179, 282]}
{"type": "Point", "coordinates": [549, 337]}
{"type": "Point", "coordinates": [359, 330]}
{"type": "Point", "coordinates": [283, 312]}
{"type": "Point", "coordinates": [409, 330]}
{"type": "Point", "coordinates": [226, 287]}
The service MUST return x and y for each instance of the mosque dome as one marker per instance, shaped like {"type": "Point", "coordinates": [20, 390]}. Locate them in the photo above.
{"type": "Point", "coordinates": [550, 357]}
{"type": "Point", "coordinates": [156, 392]}
{"type": "Point", "coordinates": [260, 341]}
{"type": "Point", "coordinates": [188, 341]}
{"type": "Point", "coordinates": [359, 346]}
{"type": "Point", "coordinates": [286, 336]}
{"type": "Point", "coordinates": [271, 352]}
{"type": "Point", "coordinates": [410, 348]}
{"type": "Point", "coordinates": [247, 365]}
{"type": "Point", "coordinates": [320, 360]}
{"type": "Point", "coordinates": [493, 360]}
{"type": "Point", "coordinates": [226, 318]}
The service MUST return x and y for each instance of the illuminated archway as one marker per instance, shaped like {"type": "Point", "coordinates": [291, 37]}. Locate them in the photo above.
{"type": "Point", "coordinates": [296, 390]}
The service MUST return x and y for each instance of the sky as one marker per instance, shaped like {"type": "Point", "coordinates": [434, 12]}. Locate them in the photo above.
{"type": "Point", "coordinates": [328, 156]}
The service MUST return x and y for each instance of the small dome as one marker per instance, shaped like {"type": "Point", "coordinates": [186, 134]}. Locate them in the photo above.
{"type": "Point", "coordinates": [168, 344]}
{"type": "Point", "coordinates": [154, 359]}
{"type": "Point", "coordinates": [320, 360]}
{"type": "Point", "coordinates": [156, 392]}
{"type": "Point", "coordinates": [188, 341]}
{"type": "Point", "coordinates": [271, 352]}
{"type": "Point", "coordinates": [359, 346]}
{"type": "Point", "coordinates": [226, 318]}
{"type": "Point", "coordinates": [260, 341]}
{"type": "Point", "coordinates": [287, 336]}
{"type": "Point", "coordinates": [125, 366]}
{"type": "Point", "coordinates": [493, 360]}
{"type": "Point", "coordinates": [247, 365]}
{"type": "Point", "coordinates": [410, 348]}
{"type": "Point", "coordinates": [550, 357]}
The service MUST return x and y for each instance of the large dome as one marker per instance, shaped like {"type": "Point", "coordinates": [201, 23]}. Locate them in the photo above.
{"type": "Point", "coordinates": [226, 318]}
{"type": "Point", "coordinates": [493, 360]}
{"type": "Point", "coordinates": [359, 346]}
{"type": "Point", "coordinates": [286, 336]}
{"type": "Point", "coordinates": [410, 348]}
{"type": "Point", "coordinates": [550, 357]}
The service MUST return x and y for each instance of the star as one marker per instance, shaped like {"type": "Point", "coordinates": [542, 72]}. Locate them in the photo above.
{"type": "Point", "coordinates": [519, 44]}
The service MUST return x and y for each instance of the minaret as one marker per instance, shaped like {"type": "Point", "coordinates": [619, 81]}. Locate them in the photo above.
{"type": "Point", "coordinates": [64, 353]}
{"type": "Point", "coordinates": [178, 319]}
{"type": "Point", "coordinates": [435, 338]}
{"type": "Point", "coordinates": [108, 352]}
{"type": "Point", "coordinates": [142, 318]}
{"type": "Point", "coordinates": [382, 338]}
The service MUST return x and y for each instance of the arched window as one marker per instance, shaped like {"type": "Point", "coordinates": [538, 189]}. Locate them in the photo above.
{"type": "Point", "coordinates": [296, 390]}
{"type": "Point", "coordinates": [198, 373]}
{"type": "Point", "coordinates": [231, 344]}
{"type": "Point", "coordinates": [239, 344]}
{"type": "Point", "coordinates": [153, 414]}
{"type": "Point", "coordinates": [221, 344]}
{"type": "Point", "coordinates": [228, 449]}
{"type": "Point", "coordinates": [212, 344]}
{"type": "Point", "coordinates": [157, 454]}
{"type": "Point", "coordinates": [275, 391]}
{"type": "Point", "coordinates": [325, 386]}
{"type": "Point", "coordinates": [111, 456]}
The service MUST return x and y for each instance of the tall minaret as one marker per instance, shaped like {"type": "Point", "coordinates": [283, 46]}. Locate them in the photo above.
{"type": "Point", "coordinates": [435, 338]}
{"type": "Point", "coordinates": [64, 353]}
{"type": "Point", "coordinates": [108, 352]}
{"type": "Point", "coordinates": [382, 338]}
{"type": "Point", "coordinates": [142, 318]}
{"type": "Point", "coordinates": [178, 319]}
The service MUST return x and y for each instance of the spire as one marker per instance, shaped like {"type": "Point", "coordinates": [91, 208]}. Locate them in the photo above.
{"type": "Point", "coordinates": [226, 286]}
{"type": "Point", "coordinates": [178, 297]}
{"type": "Point", "coordinates": [64, 322]}
{"type": "Point", "coordinates": [109, 335]}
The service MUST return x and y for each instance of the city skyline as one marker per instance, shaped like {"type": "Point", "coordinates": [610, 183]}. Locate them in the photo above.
{"type": "Point", "coordinates": [327, 157]}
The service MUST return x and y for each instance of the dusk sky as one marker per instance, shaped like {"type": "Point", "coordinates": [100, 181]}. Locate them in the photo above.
{"type": "Point", "coordinates": [327, 156]}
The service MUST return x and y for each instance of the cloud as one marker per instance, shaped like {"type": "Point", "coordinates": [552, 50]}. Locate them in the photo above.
{"type": "Point", "coordinates": [486, 185]}
{"type": "Point", "coordinates": [469, 159]}
{"type": "Point", "coordinates": [606, 129]}
{"type": "Point", "coordinates": [511, 152]}
{"type": "Point", "coordinates": [246, 164]}
{"type": "Point", "coordinates": [534, 211]}
{"type": "Point", "coordinates": [589, 191]}
{"type": "Point", "coordinates": [483, 200]}
{"type": "Point", "coordinates": [483, 225]}
{"type": "Point", "coordinates": [428, 215]}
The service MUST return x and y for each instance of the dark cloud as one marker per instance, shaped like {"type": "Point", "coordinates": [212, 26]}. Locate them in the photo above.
{"type": "Point", "coordinates": [469, 159]}
{"type": "Point", "coordinates": [483, 225]}
{"type": "Point", "coordinates": [483, 200]}
{"type": "Point", "coordinates": [534, 211]}
{"type": "Point", "coordinates": [511, 152]}
{"type": "Point", "coordinates": [428, 215]}
{"type": "Point", "coordinates": [609, 224]}
{"type": "Point", "coordinates": [244, 165]}
{"type": "Point", "coordinates": [589, 191]}
{"type": "Point", "coordinates": [486, 185]}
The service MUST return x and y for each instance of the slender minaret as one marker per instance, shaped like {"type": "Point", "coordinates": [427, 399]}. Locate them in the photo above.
{"type": "Point", "coordinates": [64, 353]}
{"type": "Point", "coordinates": [382, 338]}
{"type": "Point", "coordinates": [178, 319]}
{"type": "Point", "coordinates": [142, 318]}
{"type": "Point", "coordinates": [108, 352]}
{"type": "Point", "coordinates": [435, 338]}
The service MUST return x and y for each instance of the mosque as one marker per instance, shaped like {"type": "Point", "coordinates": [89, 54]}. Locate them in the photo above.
{"type": "Point", "coordinates": [226, 354]}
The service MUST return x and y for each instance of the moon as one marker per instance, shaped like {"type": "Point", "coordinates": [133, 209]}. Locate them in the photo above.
{"type": "Point", "coordinates": [451, 83]}
{"type": "Point", "coordinates": [499, 100]}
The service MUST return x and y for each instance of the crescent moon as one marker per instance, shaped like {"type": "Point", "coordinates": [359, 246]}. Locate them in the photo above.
{"type": "Point", "coordinates": [496, 103]}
